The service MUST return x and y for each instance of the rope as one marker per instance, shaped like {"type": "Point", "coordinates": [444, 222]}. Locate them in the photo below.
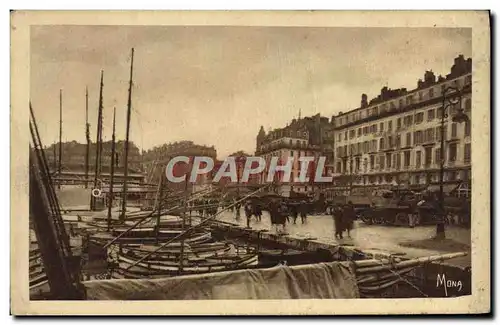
{"type": "Point", "coordinates": [396, 274]}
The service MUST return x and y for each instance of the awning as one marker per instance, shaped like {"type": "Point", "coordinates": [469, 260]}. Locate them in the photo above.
{"type": "Point", "coordinates": [447, 188]}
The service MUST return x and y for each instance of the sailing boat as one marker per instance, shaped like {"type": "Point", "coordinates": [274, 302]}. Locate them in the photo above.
{"type": "Point", "coordinates": [156, 244]}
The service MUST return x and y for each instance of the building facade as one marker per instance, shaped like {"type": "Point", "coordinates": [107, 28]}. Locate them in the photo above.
{"type": "Point", "coordinates": [156, 160]}
{"type": "Point", "coordinates": [303, 137]}
{"type": "Point", "coordinates": [395, 138]}
{"type": "Point", "coordinates": [73, 162]}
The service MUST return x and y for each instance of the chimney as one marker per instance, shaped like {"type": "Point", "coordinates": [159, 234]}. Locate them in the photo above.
{"type": "Point", "coordinates": [364, 101]}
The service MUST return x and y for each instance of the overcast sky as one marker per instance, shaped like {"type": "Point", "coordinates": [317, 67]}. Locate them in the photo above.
{"type": "Point", "coordinates": [218, 85]}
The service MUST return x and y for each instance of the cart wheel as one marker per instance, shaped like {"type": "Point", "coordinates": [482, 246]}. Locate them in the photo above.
{"type": "Point", "coordinates": [366, 218]}
{"type": "Point", "coordinates": [402, 219]}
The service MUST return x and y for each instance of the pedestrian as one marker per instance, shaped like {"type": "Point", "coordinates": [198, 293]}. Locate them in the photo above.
{"type": "Point", "coordinates": [248, 212]}
{"type": "Point", "coordinates": [237, 206]}
{"type": "Point", "coordinates": [303, 211]}
{"type": "Point", "coordinates": [284, 211]}
{"type": "Point", "coordinates": [257, 211]}
{"type": "Point", "coordinates": [276, 216]}
{"type": "Point", "coordinates": [348, 217]}
{"type": "Point", "coordinates": [337, 218]}
{"type": "Point", "coordinates": [294, 212]}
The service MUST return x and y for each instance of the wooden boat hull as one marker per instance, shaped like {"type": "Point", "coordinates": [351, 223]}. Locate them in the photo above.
{"type": "Point", "coordinates": [197, 238]}
{"type": "Point", "coordinates": [173, 253]}
{"type": "Point", "coordinates": [156, 269]}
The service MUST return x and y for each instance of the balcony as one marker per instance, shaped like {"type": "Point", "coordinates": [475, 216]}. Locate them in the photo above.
{"type": "Point", "coordinates": [451, 163]}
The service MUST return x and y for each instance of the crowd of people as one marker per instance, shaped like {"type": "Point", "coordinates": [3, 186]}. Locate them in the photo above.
{"type": "Point", "coordinates": [283, 211]}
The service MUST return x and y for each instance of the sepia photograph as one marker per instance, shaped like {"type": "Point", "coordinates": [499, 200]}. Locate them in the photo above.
{"type": "Point", "coordinates": [233, 158]}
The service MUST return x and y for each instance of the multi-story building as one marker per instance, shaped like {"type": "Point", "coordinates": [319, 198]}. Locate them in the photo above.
{"type": "Point", "coordinates": [395, 138]}
{"type": "Point", "coordinates": [240, 158]}
{"type": "Point", "coordinates": [73, 161]}
{"type": "Point", "coordinates": [303, 137]}
{"type": "Point", "coordinates": [156, 160]}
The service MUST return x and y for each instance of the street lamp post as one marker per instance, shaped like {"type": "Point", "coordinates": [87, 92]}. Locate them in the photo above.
{"type": "Point", "coordinates": [459, 117]}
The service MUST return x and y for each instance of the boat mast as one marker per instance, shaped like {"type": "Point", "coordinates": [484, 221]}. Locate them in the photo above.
{"type": "Point", "coordinates": [87, 137]}
{"type": "Point", "coordinates": [159, 207]}
{"type": "Point", "coordinates": [183, 215]}
{"type": "Point", "coordinates": [60, 138]}
{"type": "Point", "coordinates": [98, 141]}
{"type": "Point", "coordinates": [129, 108]}
{"type": "Point", "coordinates": [112, 180]}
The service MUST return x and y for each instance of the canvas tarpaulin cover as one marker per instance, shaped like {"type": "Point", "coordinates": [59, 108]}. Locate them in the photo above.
{"type": "Point", "coordinates": [314, 281]}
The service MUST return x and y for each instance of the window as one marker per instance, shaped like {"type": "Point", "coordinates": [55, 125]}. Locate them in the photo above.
{"type": "Point", "coordinates": [419, 118]}
{"type": "Point", "coordinates": [359, 132]}
{"type": "Point", "coordinates": [418, 159]}
{"type": "Point", "coordinates": [467, 105]}
{"type": "Point", "coordinates": [381, 145]}
{"type": "Point", "coordinates": [417, 137]}
{"type": "Point", "coordinates": [368, 112]}
{"type": "Point", "coordinates": [339, 167]}
{"type": "Point", "coordinates": [452, 151]}
{"type": "Point", "coordinates": [438, 133]}
{"type": "Point", "coordinates": [340, 137]}
{"type": "Point", "coordinates": [389, 126]}
{"type": "Point", "coordinates": [437, 156]}
{"type": "Point", "coordinates": [409, 100]}
{"type": "Point", "coordinates": [407, 157]}
{"type": "Point", "coordinates": [467, 153]}
{"type": "Point", "coordinates": [439, 112]}
{"type": "Point", "coordinates": [408, 120]}
{"type": "Point", "coordinates": [453, 130]}
{"type": "Point", "coordinates": [429, 135]}
{"type": "Point", "coordinates": [345, 135]}
{"type": "Point", "coordinates": [467, 128]}
{"type": "Point", "coordinates": [352, 134]}
{"type": "Point", "coordinates": [389, 140]}
{"type": "Point", "coordinates": [401, 103]}
{"type": "Point", "coordinates": [398, 161]}
{"type": "Point", "coordinates": [398, 141]}
{"type": "Point", "coordinates": [375, 110]}
{"type": "Point", "coordinates": [359, 147]}
{"type": "Point", "coordinates": [431, 114]}
{"type": "Point", "coordinates": [374, 145]}
{"type": "Point", "coordinates": [398, 124]}
{"type": "Point", "coordinates": [381, 126]}
{"type": "Point", "coordinates": [420, 96]}
{"type": "Point", "coordinates": [372, 162]}
{"type": "Point", "coordinates": [408, 139]}
{"type": "Point", "coordinates": [365, 146]}
{"type": "Point", "coordinates": [375, 128]}
{"type": "Point", "coordinates": [365, 130]}
{"type": "Point", "coordinates": [428, 156]}
{"type": "Point", "coordinates": [431, 92]}
{"type": "Point", "coordinates": [381, 162]}
{"type": "Point", "coordinates": [389, 160]}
